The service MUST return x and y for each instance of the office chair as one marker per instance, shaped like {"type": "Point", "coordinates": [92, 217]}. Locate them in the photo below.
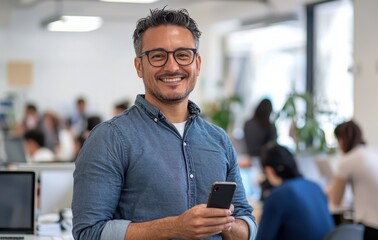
{"type": "Point", "coordinates": [349, 231]}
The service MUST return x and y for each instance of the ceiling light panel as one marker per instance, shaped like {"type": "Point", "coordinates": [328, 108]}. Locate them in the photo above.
{"type": "Point", "coordinates": [131, 1]}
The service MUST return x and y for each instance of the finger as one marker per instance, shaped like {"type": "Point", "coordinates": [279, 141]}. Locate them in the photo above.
{"type": "Point", "coordinates": [217, 212]}
{"type": "Point", "coordinates": [217, 221]}
{"type": "Point", "coordinates": [232, 208]}
{"type": "Point", "coordinates": [210, 230]}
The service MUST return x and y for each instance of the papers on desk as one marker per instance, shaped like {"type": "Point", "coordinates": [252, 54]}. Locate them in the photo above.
{"type": "Point", "coordinates": [49, 225]}
{"type": "Point", "coordinates": [56, 225]}
{"type": "Point", "coordinates": [49, 229]}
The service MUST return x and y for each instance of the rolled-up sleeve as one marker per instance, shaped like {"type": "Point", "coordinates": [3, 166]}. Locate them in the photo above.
{"type": "Point", "coordinates": [251, 225]}
{"type": "Point", "coordinates": [115, 229]}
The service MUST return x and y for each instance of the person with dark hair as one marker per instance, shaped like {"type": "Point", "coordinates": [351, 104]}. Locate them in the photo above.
{"type": "Point", "coordinates": [147, 173]}
{"type": "Point", "coordinates": [296, 208]}
{"type": "Point", "coordinates": [92, 122]}
{"type": "Point", "coordinates": [35, 147]}
{"type": "Point", "coordinates": [31, 119]}
{"type": "Point", "coordinates": [120, 107]}
{"type": "Point", "coordinates": [358, 166]}
{"type": "Point", "coordinates": [258, 131]}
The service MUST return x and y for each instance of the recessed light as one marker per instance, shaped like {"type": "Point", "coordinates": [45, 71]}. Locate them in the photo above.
{"type": "Point", "coordinates": [73, 23]}
{"type": "Point", "coordinates": [130, 1]}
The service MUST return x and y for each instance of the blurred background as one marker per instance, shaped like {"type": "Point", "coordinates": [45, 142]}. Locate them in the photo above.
{"type": "Point", "coordinates": [251, 49]}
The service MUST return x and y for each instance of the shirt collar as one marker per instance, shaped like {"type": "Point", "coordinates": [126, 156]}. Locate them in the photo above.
{"type": "Point", "coordinates": [155, 113]}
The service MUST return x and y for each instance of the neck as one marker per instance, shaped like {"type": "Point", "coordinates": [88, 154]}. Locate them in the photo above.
{"type": "Point", "coordinates": [175, 113]}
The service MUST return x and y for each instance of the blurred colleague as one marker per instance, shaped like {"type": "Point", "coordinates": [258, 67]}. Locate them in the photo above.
{"type": "Point", "coordinates": [30, 120]}
{"type": "Point", "coordinates": [51, 127]}
{"type": "Point", "coordinates": [147, 173]}
{"type": "Point", "coordinates": [120, 107]}
{"type": "Point", "coordinates": [92, 122]}
{"type": "Point", "coordinates": [79, 117]}
{"type": "Point", "coordinates": [35, 147]}
{"type": "Point", "coordinates": [358, 166]}
{"type": "Point", "coordinates": [258, 131]}
{"type": "Point", "coordinates": [296, 208]}
{"type": "Point", "coordinates": [66, 151]}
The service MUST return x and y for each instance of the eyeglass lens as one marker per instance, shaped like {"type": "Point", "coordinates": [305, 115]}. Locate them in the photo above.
{"type": "Point", "coordinates": [159, 58]}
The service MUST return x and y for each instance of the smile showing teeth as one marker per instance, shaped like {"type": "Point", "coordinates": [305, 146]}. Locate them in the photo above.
{"type": "Point", "coordinates": [171, 79]}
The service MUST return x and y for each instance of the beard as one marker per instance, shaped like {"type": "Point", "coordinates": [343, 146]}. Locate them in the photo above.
{"type": "Point", "coordinates": [172, 98]}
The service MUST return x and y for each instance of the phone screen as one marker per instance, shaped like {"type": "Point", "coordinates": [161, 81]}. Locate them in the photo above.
{"type": "Point", "coordinates": [221, 195]}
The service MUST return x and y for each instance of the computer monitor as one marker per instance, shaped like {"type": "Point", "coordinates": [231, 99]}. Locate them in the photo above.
{"type": "Point", "coordinates": [56, 184]}
{"type": "Point", "coordinates": [56, 190]}
{"type": "Point", "coordinates": [14, 150]}
{"type": "Point", "coordinates": [17, 202]}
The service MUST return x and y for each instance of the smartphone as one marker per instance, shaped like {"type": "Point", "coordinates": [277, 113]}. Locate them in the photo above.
{"type": "Point", "coordinates": [221, 195]}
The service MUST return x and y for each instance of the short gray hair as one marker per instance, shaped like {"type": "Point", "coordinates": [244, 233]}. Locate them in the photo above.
{"type": "Point", "coordinates": [160, 17]}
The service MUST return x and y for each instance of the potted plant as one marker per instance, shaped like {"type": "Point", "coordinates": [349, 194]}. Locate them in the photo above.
{"type": "Point", "coordinates": [306, 130]}
{"type": "Point", "coordinates": [220, 112]}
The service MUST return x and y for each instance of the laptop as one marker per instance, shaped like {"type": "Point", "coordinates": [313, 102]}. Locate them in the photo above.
{"type": "Point", "coordinates": [17, 205]}
{"type": "Point", "coordinates": [14, 150]}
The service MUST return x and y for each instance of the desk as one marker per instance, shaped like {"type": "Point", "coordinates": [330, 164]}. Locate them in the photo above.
{"type": "Point", "coordinates": [341, 214]}
{"type": "Point", "coordinates": [50, 225]}
{"type": "Point", "coordinates": [50, 166]}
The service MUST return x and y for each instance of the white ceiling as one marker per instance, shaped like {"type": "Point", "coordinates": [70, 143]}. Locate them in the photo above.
{"type": "Point", "coordinates": [212, 10]}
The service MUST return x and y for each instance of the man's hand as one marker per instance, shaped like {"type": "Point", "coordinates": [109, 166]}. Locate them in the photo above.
{"type": "Point", "coordinates": [195, 223]}
{"type": "Point", "coordinates": [202, 222]}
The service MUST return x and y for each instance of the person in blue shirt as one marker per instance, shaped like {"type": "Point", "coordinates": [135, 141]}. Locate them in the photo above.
{"type": "Point", "coordinates": [147, 173]}
{"type": "Point", "coordinates": [296, 208]}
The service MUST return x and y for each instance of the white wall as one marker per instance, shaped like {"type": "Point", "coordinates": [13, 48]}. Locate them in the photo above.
{"type": "Point", "coordinates": [366, 68]}
{"type": "Point", "coordinates": [97, 65]}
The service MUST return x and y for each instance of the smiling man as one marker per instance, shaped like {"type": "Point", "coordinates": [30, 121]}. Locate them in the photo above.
{"type": "Point", "coordinates": [147, 173]}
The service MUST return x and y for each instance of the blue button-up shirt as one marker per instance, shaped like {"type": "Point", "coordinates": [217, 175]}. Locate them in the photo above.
{"type": "Point", "coordinates": [136, 167]}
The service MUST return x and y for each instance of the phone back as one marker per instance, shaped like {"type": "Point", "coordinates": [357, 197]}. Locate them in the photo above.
{"type": "Point", "coordinates": [221, 195]}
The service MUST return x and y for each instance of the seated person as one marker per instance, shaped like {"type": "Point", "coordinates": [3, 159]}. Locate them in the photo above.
{"type": "Point", "coordinates": [296, 208]}
{"type": "Point", "coordinates": [35, 147]}
{"type": "Point", "coordinates": [119, 108]}
{"type": "Point", "coordinates": [358, 166]}
{"type": "Point", "coordinates": [92, 122]}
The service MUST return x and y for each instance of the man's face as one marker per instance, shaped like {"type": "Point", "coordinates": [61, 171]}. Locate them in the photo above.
{"type": "Point", "coordinates": [170, 83]}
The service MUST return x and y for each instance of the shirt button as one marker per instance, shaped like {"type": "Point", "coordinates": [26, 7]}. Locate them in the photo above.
{"type": "Point", "coordinates": [191, 176]}
{"type": "Point", "coordinates": [184, 143]}
{"type": "Point", "coordinates": [155, 119]}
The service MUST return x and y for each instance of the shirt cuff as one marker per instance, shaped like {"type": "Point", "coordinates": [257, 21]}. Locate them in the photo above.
{"type": "Point", "coordinates": [251, 225]}
{"type": "Point", "coordinates": [115, 230]}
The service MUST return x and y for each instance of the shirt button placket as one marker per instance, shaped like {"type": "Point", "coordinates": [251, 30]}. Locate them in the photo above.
{"type": "Point", "coordinates": [191, 182]}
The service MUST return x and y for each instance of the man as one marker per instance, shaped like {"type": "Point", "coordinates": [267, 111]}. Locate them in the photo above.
{"type": "Point", "coordinates": [79, 117]}
{"type": "Point", "coordinates": [147, 173]}
{"type": "Point", "coordinates": [296, 208]}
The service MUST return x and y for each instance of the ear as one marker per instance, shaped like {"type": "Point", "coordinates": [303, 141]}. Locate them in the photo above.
{"type": "Point", "coordinates": [198, 62]}
{"type": "Point", "coordinates": [269, 171]}
{"type": "Point", "coordinates": [138, 66]}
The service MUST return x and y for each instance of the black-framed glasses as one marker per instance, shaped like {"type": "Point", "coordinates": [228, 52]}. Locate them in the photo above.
{"type": "Point", "coordinates": [159, 57]}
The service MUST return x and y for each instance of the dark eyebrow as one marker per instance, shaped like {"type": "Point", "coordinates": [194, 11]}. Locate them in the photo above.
{"type": "Point", "coordinates": [163, 49]}
{"type": "Point", "coordinates": [156, 49]}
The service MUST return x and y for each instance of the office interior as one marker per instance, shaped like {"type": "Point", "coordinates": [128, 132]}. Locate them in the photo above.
{"type": "Point", "coordinates": [236, 49]}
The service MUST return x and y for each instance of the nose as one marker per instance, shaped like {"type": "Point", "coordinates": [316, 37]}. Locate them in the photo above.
{"type": "Point", "coordinates": [171, 62]}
